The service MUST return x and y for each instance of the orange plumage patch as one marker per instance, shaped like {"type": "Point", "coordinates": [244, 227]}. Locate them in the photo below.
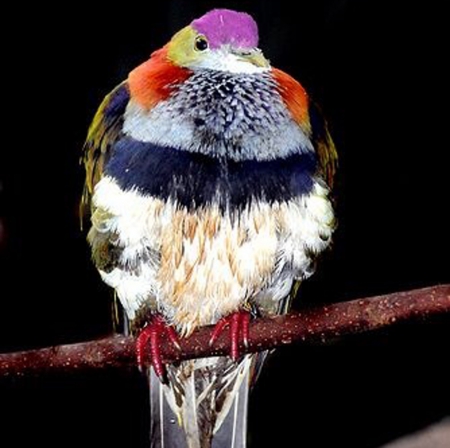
{"type": "Point", "coordinates": [155, 79]}
{"type": "Point", "coordinates": [294, 96]}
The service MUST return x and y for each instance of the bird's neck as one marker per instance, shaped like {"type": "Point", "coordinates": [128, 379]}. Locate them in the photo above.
{"type": "Point", "coordinates": [220, 114]}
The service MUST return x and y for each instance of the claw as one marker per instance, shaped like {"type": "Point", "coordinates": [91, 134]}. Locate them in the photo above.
{"type": "Point", "coordinates": [218, 329]}
{"type": "Point", "coordinates": [246, 329]}
{"type": "Point", "coordinates": [239, 323]}
{"type": "Point", "coordinates": [151, 335]}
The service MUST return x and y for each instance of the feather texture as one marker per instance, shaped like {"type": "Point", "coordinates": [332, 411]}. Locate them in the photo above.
{"type": "Point", "coordinates": [208, 179]}
{"type": "Point", "coordinates": [208, 398]}
{"type": "Point", "coordinates": [155, 80]}
{"type": "Point", "coordinates": [105, 130]}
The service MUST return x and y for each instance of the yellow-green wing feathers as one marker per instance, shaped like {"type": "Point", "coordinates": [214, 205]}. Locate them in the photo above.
{"type": "Point", "coordinates": [104, 132]}
{"type": "Point", "coordinates": [326, 150]}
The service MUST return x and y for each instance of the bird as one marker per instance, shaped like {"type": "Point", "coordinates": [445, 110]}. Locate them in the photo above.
{"type": "Point", "coordinates": [209, 188]}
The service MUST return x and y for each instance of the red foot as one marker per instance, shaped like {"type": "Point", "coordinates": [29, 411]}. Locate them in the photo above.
{"type": "Point", "coordinates": [151, 335]}
{"type": "Point", "coordinates": [239, 323]}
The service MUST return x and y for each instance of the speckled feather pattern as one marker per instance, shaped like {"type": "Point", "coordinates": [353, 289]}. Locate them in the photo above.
{"type": "Point", "coordinates": [237, 116]}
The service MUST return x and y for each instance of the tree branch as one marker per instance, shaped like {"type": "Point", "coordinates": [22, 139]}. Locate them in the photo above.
{"type": "Point", "coordinates": [315, 324]}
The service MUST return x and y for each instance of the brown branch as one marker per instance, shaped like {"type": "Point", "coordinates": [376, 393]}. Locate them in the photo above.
{"type": "Point", "coordinates": [316, 324]}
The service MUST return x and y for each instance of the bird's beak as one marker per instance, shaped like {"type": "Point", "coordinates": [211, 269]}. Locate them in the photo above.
{"type": "Point", "coordinates": [254, 56]}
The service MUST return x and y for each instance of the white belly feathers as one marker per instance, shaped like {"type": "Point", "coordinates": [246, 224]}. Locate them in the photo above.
{"type": "Point", "coordinates": [206, 264]}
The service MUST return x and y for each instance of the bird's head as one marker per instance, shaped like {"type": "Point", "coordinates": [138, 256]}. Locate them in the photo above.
{"type": "Point", "coordinates": [220, 40]}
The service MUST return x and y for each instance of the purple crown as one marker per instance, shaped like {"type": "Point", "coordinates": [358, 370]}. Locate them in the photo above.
{"type": "Point", "coordinates": [223, 26]}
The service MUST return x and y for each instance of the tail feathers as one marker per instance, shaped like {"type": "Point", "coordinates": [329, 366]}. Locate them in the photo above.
{"type": "Point", "coordinates": [165, 432]}
{"type": "Point", "coordinates": [204, 405]}
{"type": "Point", "coordinates": [233, 430]}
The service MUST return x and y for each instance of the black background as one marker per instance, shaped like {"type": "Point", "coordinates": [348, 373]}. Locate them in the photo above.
{"type": "Point", "coordinates": [377, 69]}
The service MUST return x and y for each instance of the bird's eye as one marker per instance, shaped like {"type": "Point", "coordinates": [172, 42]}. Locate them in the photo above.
{"type": "Point", "coordinates": [201, 43]}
